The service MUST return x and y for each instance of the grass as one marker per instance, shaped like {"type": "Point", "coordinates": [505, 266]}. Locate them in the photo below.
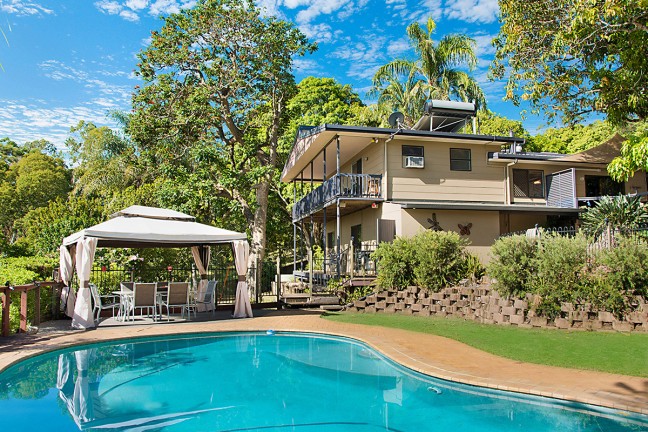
{"type": "Point", "coordinates": [621, 353]}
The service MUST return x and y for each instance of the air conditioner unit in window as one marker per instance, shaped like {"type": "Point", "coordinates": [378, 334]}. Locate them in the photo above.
{"type": "Point", "coordinates": [414, 162]}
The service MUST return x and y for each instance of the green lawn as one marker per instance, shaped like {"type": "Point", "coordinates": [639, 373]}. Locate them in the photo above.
{"type": "Point", "coordinates": [622, 353]}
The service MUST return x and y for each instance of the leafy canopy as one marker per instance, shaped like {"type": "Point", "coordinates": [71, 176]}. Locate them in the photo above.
{"type": "Point", "coordinates": [575, 57]}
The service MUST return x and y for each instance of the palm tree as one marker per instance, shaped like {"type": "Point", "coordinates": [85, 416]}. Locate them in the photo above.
{"type": "Point", "coordinates": [402, 92]}
{"type": "Point", "coordinates": [436, 73]}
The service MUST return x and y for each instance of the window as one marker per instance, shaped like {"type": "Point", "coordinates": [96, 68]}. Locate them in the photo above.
{"type": "Point", "coordinates": [596, 186]}
{"type": "Point", "coordinates": [356, 168]}
{"type": "Point", "coordinates": [331, 240]}
{"type": "Point", "coordinates": [528, 183]}
{"type": "Point", "coordinates": [460, 159]}
{"type": "Point", "coordinates": [356, 236]}
{"type": "Point", "coordinates": [413, 157]}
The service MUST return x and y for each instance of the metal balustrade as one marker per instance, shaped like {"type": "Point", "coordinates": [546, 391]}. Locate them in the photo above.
{"type": "Point", "coordinates": [367, 186]}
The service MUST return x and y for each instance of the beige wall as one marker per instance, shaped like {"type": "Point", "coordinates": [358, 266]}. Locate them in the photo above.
{"type": "Point", "coordinates": [372, 161]}
{"type": "Point", "coordinates": [368, 218]}
{"type": "Point", "coordinates": [437, 182]}
{"type": "Point", "coordinates": [483, 233]}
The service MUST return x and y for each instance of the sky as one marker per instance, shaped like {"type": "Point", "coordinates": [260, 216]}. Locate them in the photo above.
{"type": "Point", "coordinates": [63, 61]}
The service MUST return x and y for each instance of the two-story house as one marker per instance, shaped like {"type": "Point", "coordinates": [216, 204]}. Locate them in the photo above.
{"type": "Point", "coordinates": [367, 185]}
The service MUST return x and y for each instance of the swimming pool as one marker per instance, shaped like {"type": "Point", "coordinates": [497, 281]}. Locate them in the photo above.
{"type": "Point", "coordinates": [265, 382]}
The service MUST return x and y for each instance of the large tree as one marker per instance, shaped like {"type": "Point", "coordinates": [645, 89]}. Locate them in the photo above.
{"type": "Point", "coordinates": [435, 74]}
{"type": "Point", "coordinates": [576, 57]}
{"type": "Point", "coordinates": [217, 81]}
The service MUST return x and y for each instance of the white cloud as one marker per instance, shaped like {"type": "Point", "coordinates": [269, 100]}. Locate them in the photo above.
{"type": "Point", "coordinates": [364, 57]}
{"type": "Point", "coordinates": [420, 12]}
{"type": "Point", "coordinates": [110, 7]}
{"type": "Point", "coordinates": [484, 11]}
{"type": "Point", "coordinates": [319, 32]}
{"type": "Point", "coordinates": [136, 4]}
{"type": "Point", "coordinates": [129, 9]}
{"type": "Point", "coordinates": [306, 66]}
{"type": "Point", "coordinates": [397, 47]}
{"type": "Point", "coordinates": [22, 7]}
{"type": "Point", "coordinates": [164, 7]}
{"type": "Point", "coordinates": [484, 44]}
{"type": "Point", "coordinates": [35, 119]}
{"type": "Point", "coordinates": [319, 7]}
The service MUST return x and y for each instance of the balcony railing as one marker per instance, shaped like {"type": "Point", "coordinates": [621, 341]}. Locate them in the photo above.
{"type": "Point", "coordinates": [367, 186]}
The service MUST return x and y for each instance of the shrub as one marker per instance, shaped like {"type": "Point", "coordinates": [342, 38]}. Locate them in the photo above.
{"type": "Point", "coordinates": [513, 263]}
{"type": "Point", "coordinates": [620, 212]}
{"type": "Point", "coordinates": [396, 262]}
{"type": "Point", "coordinates": [441, 259]}
{"type": "Point", "coordinates": [561, 265]}
{"type": "Point", "coordinates": [431, 259]}
{"type": "Point", "coordinates": [628, 266]}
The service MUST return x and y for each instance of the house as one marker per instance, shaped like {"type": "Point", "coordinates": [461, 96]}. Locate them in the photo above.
{"type": "Point", "coordinates": [367, 185]}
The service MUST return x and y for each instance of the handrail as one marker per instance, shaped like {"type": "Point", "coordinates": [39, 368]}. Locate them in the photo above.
{"type": "Point", "coordinates": [6, 291]}
{"type": "Point", "coordinates": [343, 185]}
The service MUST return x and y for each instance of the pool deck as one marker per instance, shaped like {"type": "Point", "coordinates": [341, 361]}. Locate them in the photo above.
{"type": "Point", "coordinates": [429, 354]}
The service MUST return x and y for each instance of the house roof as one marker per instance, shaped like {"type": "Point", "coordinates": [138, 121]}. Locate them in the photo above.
{"type": "Point", "coordinates": [312, 140]}
{"type": "Point", "coordinates": [601, 154]}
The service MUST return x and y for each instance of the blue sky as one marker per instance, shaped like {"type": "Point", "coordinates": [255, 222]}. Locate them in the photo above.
{"type": "Point", "coordinates": [70, 60]}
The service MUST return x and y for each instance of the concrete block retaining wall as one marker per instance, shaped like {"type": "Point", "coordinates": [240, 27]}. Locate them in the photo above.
{"type": "Point", "coordinates": [482, 304]}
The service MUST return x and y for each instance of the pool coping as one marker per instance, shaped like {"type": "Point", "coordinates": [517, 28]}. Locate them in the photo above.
{"type": "Point", "coordinates": [428, 354]}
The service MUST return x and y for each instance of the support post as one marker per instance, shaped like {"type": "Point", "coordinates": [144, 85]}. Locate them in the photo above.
{"type": "Point", "coordinates": [337, 229]}
{"type": "Point", "coordinates": [310, 271]}
{"type": "Point", "coordinates": [23, 311]}
{"type": "Point", "coordinates": [294, 230]}
{"type": "Point", "coordinates": [6, 304]}
{"type": "Point", "coordinates": [324, 240]}
{"type": "Point", "coordinates": [278, 286]}
{"type": "Point", "coordinates": [37, 310]}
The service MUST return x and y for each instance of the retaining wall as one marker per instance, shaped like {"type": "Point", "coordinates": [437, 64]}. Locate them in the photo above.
{"type": "Point", "coordinates": [483, 304]}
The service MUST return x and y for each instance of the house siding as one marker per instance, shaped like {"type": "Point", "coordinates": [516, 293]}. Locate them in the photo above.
{"type": "Point", "coordinates": [484, 183]}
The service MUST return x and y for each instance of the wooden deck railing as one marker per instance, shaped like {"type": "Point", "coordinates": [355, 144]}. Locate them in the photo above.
{"type": "Point", "coordinates": [6, 292]}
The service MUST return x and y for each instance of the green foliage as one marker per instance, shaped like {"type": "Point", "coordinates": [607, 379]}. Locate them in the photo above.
{"type": "Point", "coordinates": [359, 292]}
{"type": "Point", "coordinates": [218, 78]}
{"type": "Point", "coordinates": [575, 57]}
{"type": "Point", "coordinates": [560, 269]}
{"type": "Point", "coordinates": [24, 270]}
{"type": "Point", "coordinates": [626, 266]}
{"type": "Point", "coordinates": [622, 213]}
{"type": "Point", "coordinates": [513, 264]}
{"type": "Point", "coordinates": [44, 228]}
{"type": "Point", "coordinates": [489, 123]}
{"type": "Point", "coordinates": [474, 269]}
{"type": "Point", "coordinates": [30, 183]}
{"type": "Point", "coordinates": [431, 259]}
{"type": "Point", "coordinates": [441, 259]}
{"type": "Point", "coordinates": [572, 139]}
{"type": "Point", "coordinates": [396, 262]}
{"type": "Point", "coordinates": [634, 154]}
{"type": "Point", "coordinates": [436, 74]}
{"type": "Point", "coordinates": [560, 266]}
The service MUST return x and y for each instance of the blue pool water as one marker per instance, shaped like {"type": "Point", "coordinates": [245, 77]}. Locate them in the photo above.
{"type": "Point", "coordinates": [265, 382]}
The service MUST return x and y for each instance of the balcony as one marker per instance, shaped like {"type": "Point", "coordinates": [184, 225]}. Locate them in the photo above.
{"type": "Point", "coordinates": [348, 186]}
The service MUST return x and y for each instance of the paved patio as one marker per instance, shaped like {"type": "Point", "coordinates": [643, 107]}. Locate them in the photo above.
{"type": "Point", "coordinates": [433, 355]}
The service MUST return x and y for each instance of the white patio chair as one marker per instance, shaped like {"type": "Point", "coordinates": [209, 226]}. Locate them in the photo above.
{"type": "Point", "coordinates": [176, 296]}
{"type": "Point", "coordinates": [145, 297]}
{"type": "Point", "coordinates": [208, 300]}
{"type": "Point", "coordinates": [99, 303]}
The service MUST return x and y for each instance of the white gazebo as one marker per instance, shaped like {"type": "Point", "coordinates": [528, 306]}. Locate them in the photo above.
{"type": "Point", "coordinates": [147, 227]}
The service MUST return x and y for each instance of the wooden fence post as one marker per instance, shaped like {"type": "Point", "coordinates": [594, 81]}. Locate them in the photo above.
{"type": "Point", "coordinates": [37, 306]}
{"type": "Point", "coordinates": [23, 311]}
{"type": "Point", "coordinates": [278, 286]}
{"type": "Point", "coordinates": [6, 303]}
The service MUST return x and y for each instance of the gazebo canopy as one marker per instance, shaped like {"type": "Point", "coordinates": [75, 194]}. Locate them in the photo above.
{"type": "Point", "coordinates": [149, 227]}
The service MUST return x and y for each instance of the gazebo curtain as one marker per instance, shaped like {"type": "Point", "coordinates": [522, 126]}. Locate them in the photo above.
{"type": "Point", "coordinates": [242, 306]}
{"type": "Point", "coordinates": [68, 296]}
{"type": "Point", "coordinates": [201, 256]}
{"type": "Point", "coordinates": [85, 251]}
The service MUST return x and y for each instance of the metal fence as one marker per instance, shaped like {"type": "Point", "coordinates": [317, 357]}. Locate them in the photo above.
{"type": "Point", "coordinates": [108, 279]}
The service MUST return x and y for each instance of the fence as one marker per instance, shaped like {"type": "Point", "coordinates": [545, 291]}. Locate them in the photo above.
{"type": "Point", "coordinates": [108, 279]}
{"type": "Point", "coordinates": [39, 308]}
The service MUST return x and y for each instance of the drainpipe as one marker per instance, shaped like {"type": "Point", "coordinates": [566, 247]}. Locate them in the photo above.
{"type": "Point", "coordinates": [507, 189]}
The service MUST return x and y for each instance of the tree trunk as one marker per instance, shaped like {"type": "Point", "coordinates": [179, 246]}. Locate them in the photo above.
{"type": "Point", "coordinates": [258, 246]}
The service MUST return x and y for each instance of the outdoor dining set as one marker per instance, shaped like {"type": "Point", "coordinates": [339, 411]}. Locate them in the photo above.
{"type": "Point", "coordinates": [151, 298]}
